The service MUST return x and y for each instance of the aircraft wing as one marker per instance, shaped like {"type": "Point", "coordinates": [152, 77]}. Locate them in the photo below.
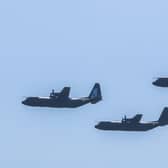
{"type": "Point", "coordinates": [64, 93]}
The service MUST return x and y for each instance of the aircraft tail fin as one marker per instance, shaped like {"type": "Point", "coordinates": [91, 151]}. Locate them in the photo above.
{"type": "Point", "coordinates": [95, 95]}
{"type": "Point", "coordinates": [163, 120]}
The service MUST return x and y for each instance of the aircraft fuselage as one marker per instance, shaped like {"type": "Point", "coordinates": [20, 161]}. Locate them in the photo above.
{"type": "Point", "coordinates": [118, 126]}
{"type": "Point", "coordinates": [161, 82]}
{"type": "Point", "coordinates": [54, 102]}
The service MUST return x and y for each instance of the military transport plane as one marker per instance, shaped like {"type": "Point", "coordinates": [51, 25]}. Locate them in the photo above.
{"type": "Point", "coordinates": [161, 82]}
{"type": "Point", "coordinates": [134, 124]}
{"type": "Point", "coordinates": [62, 99]}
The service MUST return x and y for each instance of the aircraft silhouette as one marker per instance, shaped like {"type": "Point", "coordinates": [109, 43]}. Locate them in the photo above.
{"type": "Point", "coordinates": [62, 99]}
{"type": "Point", "coordinates": [134, 123]}
{"type": "Point", "coordinates": [161, 82]}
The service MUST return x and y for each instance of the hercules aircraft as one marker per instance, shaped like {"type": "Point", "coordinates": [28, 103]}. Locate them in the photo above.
{"type": "Point", "coordinates": [62, 99]}
{"type": "Point", "coordinates": [161, 82]}
{"type": "Point", "coordinates": [134, 124]}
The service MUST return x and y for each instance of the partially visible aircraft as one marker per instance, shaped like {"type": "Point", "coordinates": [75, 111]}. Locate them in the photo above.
{"type": "Point", "coordinates": [62, 99]}
{"type": "Point", "coordinates": [161, 82]}
{"type": "Point", "coordinates": [134, 123]}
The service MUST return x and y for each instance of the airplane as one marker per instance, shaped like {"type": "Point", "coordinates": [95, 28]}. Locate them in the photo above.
{"type": "Point", "coordinates": [161, 82]}
{"type": "Point", "coordinates": [62, 99]}
{"type": "Point", "coordinates": [134, 123]}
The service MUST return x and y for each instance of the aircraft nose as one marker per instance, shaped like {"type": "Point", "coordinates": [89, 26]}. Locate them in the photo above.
{"type": "Point", "coordinates": [23, 102]}
{"type": "Point", "coordinates": [97, 126]}
{"type": "Point", "coordinates": [154, 83]}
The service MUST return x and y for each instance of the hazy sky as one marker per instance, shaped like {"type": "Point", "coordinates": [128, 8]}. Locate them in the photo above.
{"type": "Point", "coordinates": [52, 44]}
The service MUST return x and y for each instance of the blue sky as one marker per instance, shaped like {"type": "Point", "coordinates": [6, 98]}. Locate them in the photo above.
{"type": "Point", "coordinates": [52, 44]}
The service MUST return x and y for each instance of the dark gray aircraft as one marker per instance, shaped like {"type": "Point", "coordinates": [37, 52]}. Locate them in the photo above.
{"type": "Point", "coordinates": [134, 124]}
{"type": "Point", "coordinates": [161, 82]}
{"type": "Point", "coordinates": [62, 99]}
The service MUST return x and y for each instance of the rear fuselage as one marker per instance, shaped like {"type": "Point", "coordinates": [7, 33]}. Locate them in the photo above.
{"type": "Point", "coordinates": [54, 102]}
{"type": "Point", "coordinates": [118, 126]}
